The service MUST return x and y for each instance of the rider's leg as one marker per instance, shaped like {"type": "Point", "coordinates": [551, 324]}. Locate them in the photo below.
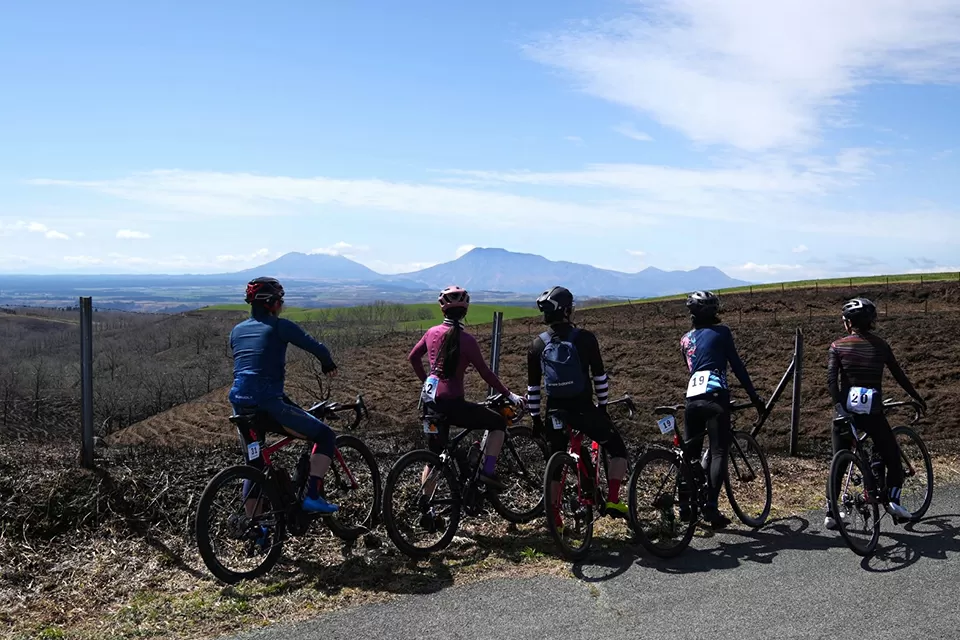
{"type": "Point", "coordinates": [596, 424]}
{"type": "Point", "coordinates": [718, 427]}
{"type": "Point", "coordinates": [469, 415]}
{"type": "Point", "coordinates": [436, 444]}
{"type": "Point", "coordinates": [886, 445]}
{"type": "Point", "coordinates": [301, 424]}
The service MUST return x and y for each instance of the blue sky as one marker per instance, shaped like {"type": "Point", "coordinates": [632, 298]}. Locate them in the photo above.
{"type": "Point", "coordinates": [773, 140]}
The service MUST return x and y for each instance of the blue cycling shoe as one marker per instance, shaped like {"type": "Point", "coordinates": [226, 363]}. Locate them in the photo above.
{"type": "Point", "coordinates": [319, 505]}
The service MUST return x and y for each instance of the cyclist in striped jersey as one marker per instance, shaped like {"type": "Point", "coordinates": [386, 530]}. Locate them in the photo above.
{"type": "Point", "coordinates": [855, 381]}
{"type": "Point", "coordinates": [590, 419]}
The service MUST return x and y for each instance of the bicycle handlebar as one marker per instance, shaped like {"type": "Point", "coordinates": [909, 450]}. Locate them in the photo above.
{"type": "Point", "coordinates": [330, 410]}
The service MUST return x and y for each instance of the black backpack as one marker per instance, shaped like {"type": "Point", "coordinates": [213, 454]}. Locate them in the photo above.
{"type": "Point", "coordinates": [562, 372]}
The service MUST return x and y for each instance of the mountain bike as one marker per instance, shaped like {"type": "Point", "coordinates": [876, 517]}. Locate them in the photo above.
{"type": "Point", "coordinates": [247, 511]}
{"type": "Point", "coordinates": [677, 493]}
{"type": "Point", "coordinates": [421, 522]}
{"type": "Point", "coordinates": [856, 486]}
{"type": "Point", "coordinates": [580, 503]}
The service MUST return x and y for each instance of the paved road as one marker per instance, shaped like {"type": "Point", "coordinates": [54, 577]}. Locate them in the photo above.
{"type": "Point", "coordinates": [791, 579]}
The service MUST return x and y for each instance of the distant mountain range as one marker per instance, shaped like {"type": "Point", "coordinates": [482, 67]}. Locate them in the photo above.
{"type": "Point", "coordinates": [320, 280]}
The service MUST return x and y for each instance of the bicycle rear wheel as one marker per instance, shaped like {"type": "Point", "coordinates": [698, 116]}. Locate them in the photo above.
{"type": "Point", "coordinates": [420, 525]}
{"type": "Point", "coordinates": [569, 519]}
{"type": "Point", "coordinates": [520, 466]}
{"type": "Point", "coordinates": [353, 484]}
{"type": "Point", "coordinates": [917, 492]}
{"type": "Point", "coordinates": [747, 481]}
{"type": "Point", "coordinates": [856, 513]}
{"type": "Point", "coordinates": [663, 508]}
{"type": "Point", "coordinates": [240, 524]}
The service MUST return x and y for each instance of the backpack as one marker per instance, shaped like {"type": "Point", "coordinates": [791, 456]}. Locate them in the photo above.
{"type": "Point", "coordinates": [562, 373]}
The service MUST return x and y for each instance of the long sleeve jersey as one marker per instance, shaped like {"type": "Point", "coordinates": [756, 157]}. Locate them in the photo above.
{"type": "Point", "coordinates": [858, 360]}
{"type": "Point", "coordinates": [259, 356]}
{"type": "Point", "coordinates": [712, 349]}
{"type": "Point", "coordinates": [452, 388]}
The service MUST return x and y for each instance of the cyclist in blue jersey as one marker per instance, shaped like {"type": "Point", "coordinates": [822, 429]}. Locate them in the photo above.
{"type": "Point", "coordinates": [708, 349]}
{"type": "Point", "coordinates": [259, 346]}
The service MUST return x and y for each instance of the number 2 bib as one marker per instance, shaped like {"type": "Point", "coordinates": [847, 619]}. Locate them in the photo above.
{"type": "Point", "coordinates": [860, 400]}
{"type": "Point", "coordinates": [429, 392]}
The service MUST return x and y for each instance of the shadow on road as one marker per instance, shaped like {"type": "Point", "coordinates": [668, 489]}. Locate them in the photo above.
{"type": "Point", "coordinates": [932, 537]}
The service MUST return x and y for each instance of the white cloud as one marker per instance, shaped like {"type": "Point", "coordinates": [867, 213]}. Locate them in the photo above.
{"type": "Point", "coordinates": [129, 234]}
{"type": "Point", "coordinates": [765, 269]}
{"type": "Point", "coordinates": [937, 268]}
{"type": "Point", "coordinates": [56, 235]}
{"type": "Point", "coordinates": [801, 249]}
{"type": "Point", "coordinates": [83, 260]}
{"type": "Point", "coordinates": [80, 234]}
{"type": "Point", "coordinates": [462, 250]}
{"type": "Point", "coordinates": [35, 227]}
{"type": "Point", "coordinates": [259, 254]}
{"type": "Point", "coordinates": [627, 129]}
{"type": "Point", "coordinates": [637, 254]}
{"type": "Point", "coordinates": [341, 248]}
{"type": "Point", "coordinates": [755, 75]}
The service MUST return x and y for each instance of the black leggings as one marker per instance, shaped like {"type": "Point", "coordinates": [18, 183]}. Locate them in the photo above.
{"type": "Point", "coordinates": [466, 415]}
{"type": "Point", "coordinates": [592, 422]}
{"type": "Point", "coordinates": [876, 426]}
{"type": "Point", "coordinates": [708, 417]}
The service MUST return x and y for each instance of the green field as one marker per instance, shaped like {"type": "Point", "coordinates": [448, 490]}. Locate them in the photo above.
{"type": "Point", "coordinates": [427, 313]}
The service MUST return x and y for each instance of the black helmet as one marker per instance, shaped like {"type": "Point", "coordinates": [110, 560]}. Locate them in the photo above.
{"type": "Point", "coordinates": [703, 304]}
{"type": "Point", "coordinates": [264, 290]}
{"type": "Point", "coordinates": [555, 303]}
{"type": "Point", "coordinates": [860, 312]}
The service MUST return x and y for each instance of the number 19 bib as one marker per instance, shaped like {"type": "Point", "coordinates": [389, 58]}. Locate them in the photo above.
{"type": "Point", "coordinates": [860, 400]}
{"type": "Point", "coordinates": [698, 384]}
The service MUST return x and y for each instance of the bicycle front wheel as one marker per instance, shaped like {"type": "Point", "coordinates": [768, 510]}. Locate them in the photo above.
{"type": "Point", "coordinates": [662, 501]}
{"type": "Point", "coordinates": [521, 466]}
{"type": "Point", "coordinates": [421, 516]}
{"type": "Point", "coordinates": [855, 511]}
{"type": "Point", "coordinates": [917, 491]}
{"type": "Point", "coordinates": [353, 484]}
{"type": "Point", "coordinates": [569, 516]}
{"type": "Point", "coordinates": [747, 481]}
{"type": "Point", "coordinates": [240, 524]}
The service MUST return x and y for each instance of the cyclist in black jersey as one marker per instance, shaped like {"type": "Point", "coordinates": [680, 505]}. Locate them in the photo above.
{"type": "Point", "coordinates": [590, 419]}
{"type": "Point", "coordinates": [855, 366]}
{"type": "Point", "coordinates": [707, 350]}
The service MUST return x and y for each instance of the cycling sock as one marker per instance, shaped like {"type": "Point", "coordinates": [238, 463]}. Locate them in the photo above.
{"type": "Point", "coordinates": [895, 494]}
{"type": "Point", "coordinates": [613, 495]}
{"type": "Point", "coordinates": [314, 486]}
{"type": "Point", "coordinates": [489, 463]}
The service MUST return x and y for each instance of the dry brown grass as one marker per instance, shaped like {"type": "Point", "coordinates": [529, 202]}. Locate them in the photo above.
{"type": "Point", "coordinates": [95, 555]}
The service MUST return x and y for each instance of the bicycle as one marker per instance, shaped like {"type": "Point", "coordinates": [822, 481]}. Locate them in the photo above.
{"type": "Point", "coordinates": [588, 491]}
{"type": "Point", "coordinates": [409, 513]}
{"type": "Point", "coordinates": [269, 510]}
{"type": "Point", "coordinates": [688, 485]}
{"type": "Point", "coordinates": [848, 468]}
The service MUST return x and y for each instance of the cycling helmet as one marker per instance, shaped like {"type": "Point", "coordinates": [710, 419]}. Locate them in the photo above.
{"type": "Point", "coordinates": [555, 302]}
{"type": "Point", "coordinates": [264, 290]}
{"type": "Point", "coordinates": [454, 297]}
{"type": "Point", "coordinates": [703, 304]}
{"type": "Point", "coordinates": [860, 312]}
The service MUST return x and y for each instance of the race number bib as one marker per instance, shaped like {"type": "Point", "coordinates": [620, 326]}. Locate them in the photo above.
{"type": "Point", "coordinates": [557, 422]}
{"type": "Point", "coordinates": [430, 428]}
{"type": "Point", "coordinates": [429, 392]}
{"type": "Point", "coordinates": [253, 451]}
{"type": "Point", "coordinates": [698, 384]}
{"type": "Point", "coordinates": [860, 400]}
{"type": "Point", "coordinates": [667, 424]}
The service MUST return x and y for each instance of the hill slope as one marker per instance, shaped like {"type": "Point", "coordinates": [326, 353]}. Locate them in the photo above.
{"type": "Point", "coordinates": [640, 347]}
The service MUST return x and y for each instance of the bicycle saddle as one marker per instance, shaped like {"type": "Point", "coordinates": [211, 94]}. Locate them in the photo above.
{"type": "Point", "coordinates": [668, 409]}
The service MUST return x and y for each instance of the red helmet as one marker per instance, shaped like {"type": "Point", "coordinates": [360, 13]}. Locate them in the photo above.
{"type": "Point", "coordinates": [454, 297]}
{"type": "Point", "coordinates": [264, 290]}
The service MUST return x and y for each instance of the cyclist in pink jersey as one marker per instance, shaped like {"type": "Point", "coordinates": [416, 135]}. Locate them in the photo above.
{"type": "Point", "coordinates": [450, 350]}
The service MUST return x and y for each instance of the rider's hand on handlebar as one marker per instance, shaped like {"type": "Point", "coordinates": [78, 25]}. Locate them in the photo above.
{"type": "Point", "coordinates": [923, 405]}
{"type": "Point", "coordinates": [841, 410]}
{"type": "Point", "coordinates": [516, 400]}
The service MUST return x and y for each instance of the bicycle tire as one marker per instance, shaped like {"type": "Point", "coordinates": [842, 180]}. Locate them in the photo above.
{"type": "Point", "coordinates": [839, 467]}
{"type": "Point", "coordinates": [420, 457]}
{"type": "Point", "coordinates": [752, 443]}
{"type": "Point", "coordinates": [335, 522]}
{"type": "Point", "coordinates": [683, 471]}
{"type": "Point", "coordinates": [536, 480]}
{"type": "Point", "coordinates": [555, 465]}
{"type": "Point", "coordinates": [204, 506]}
{"type": "Point", "coordinates": [927, 464]}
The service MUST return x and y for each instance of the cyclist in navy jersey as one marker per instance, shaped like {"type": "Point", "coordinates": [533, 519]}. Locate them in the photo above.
{"type": "Point", "coordinates": [707, 350]}
{"type": "Point", "coordinates": [854, 379]}
{"type": "Point", "coordinates": [259, 346]}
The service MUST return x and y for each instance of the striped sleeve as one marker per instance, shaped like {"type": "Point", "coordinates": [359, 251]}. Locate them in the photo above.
{"type": "Point", "coordinates": [602, 387]}
{"type": "Point", "coordinates": [533, 400]}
